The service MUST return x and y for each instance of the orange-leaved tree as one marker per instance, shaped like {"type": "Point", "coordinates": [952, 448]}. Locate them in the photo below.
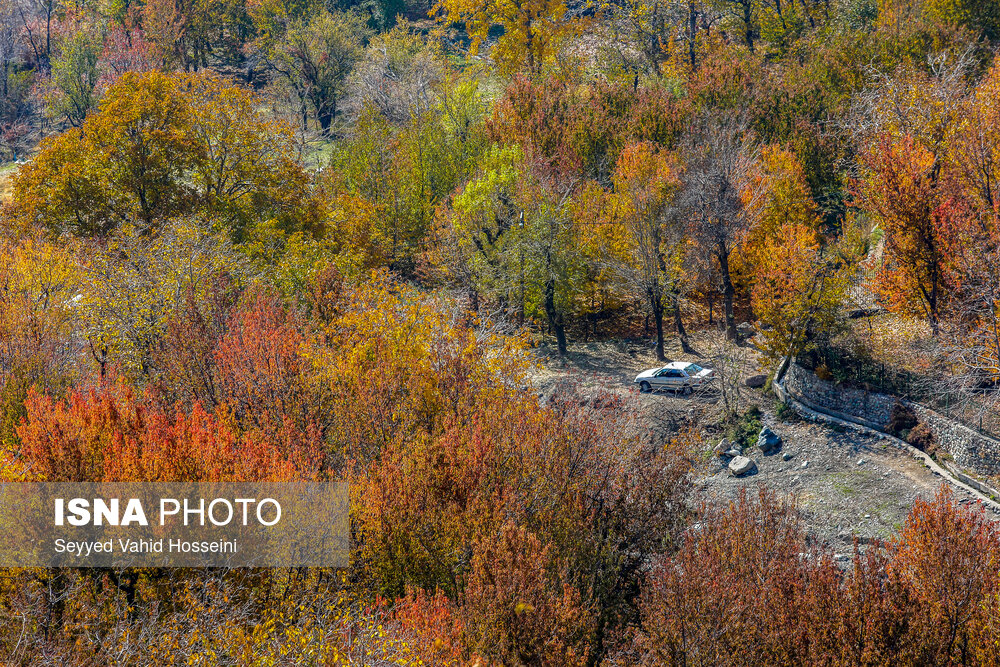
{"type": "Point", "coordinates": [109, 433]}
{"type": "Point", "coordinates": [901, 192]}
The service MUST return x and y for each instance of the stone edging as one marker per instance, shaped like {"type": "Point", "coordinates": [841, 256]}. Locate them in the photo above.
{"type": "Point", "coordinates": [823, 414]}
{"type": "Point", "coordinates": [970, 449]}
{"type": "Point", "coordinates": [972, 481]}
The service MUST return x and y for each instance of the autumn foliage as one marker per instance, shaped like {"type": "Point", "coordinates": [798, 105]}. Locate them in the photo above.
{"type": "Point", "coordinates": [282, 240]}
{"type": "Point", "coordinates": [523, 520]}
{"type": "Point", "coordinates": [162, 146]}
{"type": "Point", "coordinates": [748, 588]}
{"type": "Point", "coordinates": [109, 434]}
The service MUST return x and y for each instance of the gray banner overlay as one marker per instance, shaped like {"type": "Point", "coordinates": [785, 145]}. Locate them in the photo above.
{"type": "Point", "coordinates": [182, 524]}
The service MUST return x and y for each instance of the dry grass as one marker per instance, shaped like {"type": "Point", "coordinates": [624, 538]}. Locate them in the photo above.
{"type": "Point", "coordinates": [899, 341]}
{"type": "Point", "coordinates": [6, 172]}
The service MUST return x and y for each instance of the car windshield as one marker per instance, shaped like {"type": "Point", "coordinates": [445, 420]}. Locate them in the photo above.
{"type": "Point", "coordinates": [693, 368]}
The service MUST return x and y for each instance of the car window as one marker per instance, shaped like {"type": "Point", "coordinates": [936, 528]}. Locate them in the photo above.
{"type": "Point", "coordinates": [663, 373]}
{"type": "Point", "coordinates": [674, 373]}
{"type": "Point", "coordinates": [693, 368]}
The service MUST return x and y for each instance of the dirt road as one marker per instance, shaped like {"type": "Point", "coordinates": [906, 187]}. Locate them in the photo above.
{"type": "Point", "coordinates": [846, 483]}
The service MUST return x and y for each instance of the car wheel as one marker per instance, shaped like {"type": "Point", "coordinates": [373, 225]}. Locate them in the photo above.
{"type": "Point", "coordinates": [644, 387]}
{"type": "Point", "coordinates": [688, 389]}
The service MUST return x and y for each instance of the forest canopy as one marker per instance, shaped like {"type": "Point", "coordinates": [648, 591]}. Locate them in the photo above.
{"type": "Point", "coordinates": [300, 240]}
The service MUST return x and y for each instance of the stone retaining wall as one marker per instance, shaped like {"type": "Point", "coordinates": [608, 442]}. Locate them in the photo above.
{"type": "Point", "coordinates": [872, 409]}
{"type": "Point", "coordinates": [970, 449]}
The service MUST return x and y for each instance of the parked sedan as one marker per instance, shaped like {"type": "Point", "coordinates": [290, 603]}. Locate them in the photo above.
{"type": "Point", "coordinates": [677, 375]}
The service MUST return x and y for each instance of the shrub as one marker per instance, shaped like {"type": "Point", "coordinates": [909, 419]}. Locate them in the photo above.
{"type": "Point", "coordinates": [891, 604]}
{"type": "Point", "coordinates": [922, 437]}
{"type": "Point", "coordinates": [744, 431]}
{"type": "Point", "coordinates": [901, 419]}
{"type": "Point", "coordinates": [785, 412]}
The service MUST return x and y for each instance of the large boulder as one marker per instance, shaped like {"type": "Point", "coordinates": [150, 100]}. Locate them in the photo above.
{"type": "Point", "coordinates": [756, 381]}
{"type": "Point", "coordinates": [721, 448]}
{"type": "Point", "coordinates": [768, 440]}
{"type": "Point", "coordinates": [741, 465]}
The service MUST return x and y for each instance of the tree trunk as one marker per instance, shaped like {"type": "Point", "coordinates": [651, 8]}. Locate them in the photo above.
{"type": "Point", "coordinates": [779, 375]}
{"type": "Point", "coordinates": [554, 316]}
{"type": "Point", "coordinates": [727, 302]}
{"type": "Point", "coordinates": [692, 33]}
{"type": "Point", "coordinates": [728, 291]}
{"type": "Point", "coordinates": [748, 23]}
{"type": "Point", "coordinates": [656, 306]}
{"type": "Point", "coordinates": [48, 36]}
{"type": "Point", "coordinates": [805, 10]}
{"type": "Point", "coordinates": [679, 323]}
{"type": "Point", "coordinates": [781, 16]}
{"type": "Point", "coordinates": [530, 47]}
{"type": "Point", "coordinates": [325, 118]}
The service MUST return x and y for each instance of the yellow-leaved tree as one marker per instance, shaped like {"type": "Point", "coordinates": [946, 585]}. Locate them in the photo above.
{"type": "Point", "coordinates": [652, 230]}
{"type": "Point", "coordinates": [163, 146]}
{"type": "Point", "coordinates": [797, 279]}
{"type": "Point", "coordinates": [39, 330]}
{"type": "Point", "coordinates": [533, 30]}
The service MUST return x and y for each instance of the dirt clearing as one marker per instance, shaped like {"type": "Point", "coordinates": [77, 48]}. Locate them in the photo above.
{"type": "Point", "coordinates": [847, 484]}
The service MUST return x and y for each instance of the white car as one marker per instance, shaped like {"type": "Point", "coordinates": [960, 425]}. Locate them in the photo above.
{"type": "Point", "coordinates": [680, 376]}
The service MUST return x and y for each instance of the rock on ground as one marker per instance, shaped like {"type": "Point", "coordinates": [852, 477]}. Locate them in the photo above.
{"type": "Point", "coordinates": [741, 465]}
{"type": "Point", "coordinates": [722, 447]}
{"type": "Point", "coordinates": [768, 440]}
{"type": "Point", "coordinates": [839, 499]}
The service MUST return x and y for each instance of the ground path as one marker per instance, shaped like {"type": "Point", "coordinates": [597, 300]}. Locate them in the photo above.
{"type": "Point", "coordinates": [847, 483]}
